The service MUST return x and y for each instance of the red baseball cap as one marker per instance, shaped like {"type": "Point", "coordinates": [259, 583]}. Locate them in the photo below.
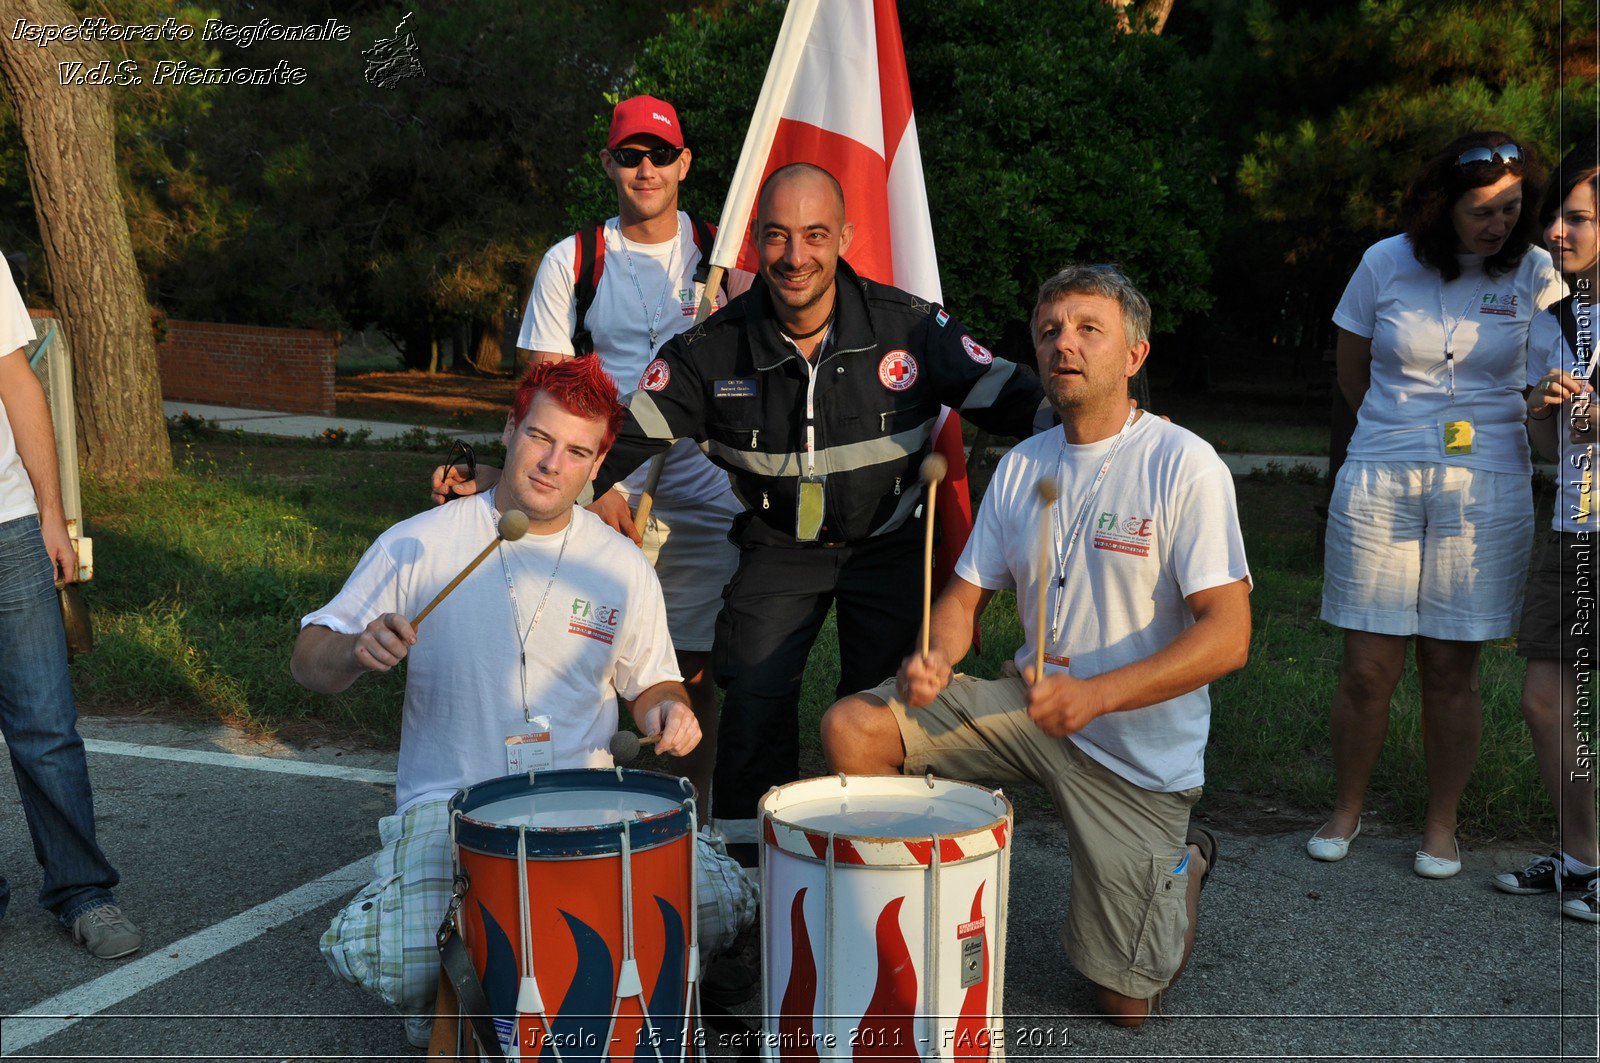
{"type": "Point", "coordinates": [645, 116]}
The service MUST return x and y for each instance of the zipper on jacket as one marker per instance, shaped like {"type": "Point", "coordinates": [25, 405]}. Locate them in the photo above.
{"type": "Point", "coordinates": [753, 436]}
{"type": "Point", "coordinates": [765, 503]}
{"type": "Point", "coordinates": [897, 485]}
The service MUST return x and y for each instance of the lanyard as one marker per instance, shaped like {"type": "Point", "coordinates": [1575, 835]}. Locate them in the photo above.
{"type": "Point", "coordinates": [811, 392]}
{"type": "Point", "coordinates": [652, 324]}
{"type": "Point", "coordinates": [1450, 331]}
{"type": "Point", "coordinates": [516, 616]}
{"type": "Point", "coordinates": [1064, 544]}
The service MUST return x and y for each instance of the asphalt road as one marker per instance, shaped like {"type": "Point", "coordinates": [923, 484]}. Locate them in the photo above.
{"type": "Point", "coordinates": [233, 870]}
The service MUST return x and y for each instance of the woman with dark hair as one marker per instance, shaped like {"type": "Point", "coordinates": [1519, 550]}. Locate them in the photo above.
{"type": "Point", "coordinates": [1432, 512]}
{"type": "Point", "coordinates": [1557, 630]}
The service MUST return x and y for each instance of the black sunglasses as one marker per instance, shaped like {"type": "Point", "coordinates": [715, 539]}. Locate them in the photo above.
{"type": "Point", "coordinates": [1501, 154]}
{"type": "Point", "coordinates": [628, 158]}
{"type": "Point", "coordinates": [463, 461]}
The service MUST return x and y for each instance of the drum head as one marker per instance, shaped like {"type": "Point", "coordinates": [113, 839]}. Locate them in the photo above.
{"type": "Point", "coordinates": [885, 820]}
{"type": "Point", "coordinates": [572, 813]}
{"type": "Point", "coordinates": [885, 806]}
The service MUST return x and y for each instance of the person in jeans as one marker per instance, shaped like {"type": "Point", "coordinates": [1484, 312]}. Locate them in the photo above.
{"type": "Point", "coordinates": [37, 714]}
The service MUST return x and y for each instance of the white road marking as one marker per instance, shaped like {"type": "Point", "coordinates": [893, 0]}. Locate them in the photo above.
{"type": "Point", "coordinates": [51, 1016]}
{"type": "Point", "coordinates": [237, 760]}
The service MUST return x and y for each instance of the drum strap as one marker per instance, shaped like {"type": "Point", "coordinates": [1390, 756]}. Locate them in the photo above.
{"type": "Point", "coordinates": [469, 991]}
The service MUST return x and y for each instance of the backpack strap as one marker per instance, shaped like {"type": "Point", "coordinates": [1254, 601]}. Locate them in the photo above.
{"type": "Point", "coordinates": [588, 261]}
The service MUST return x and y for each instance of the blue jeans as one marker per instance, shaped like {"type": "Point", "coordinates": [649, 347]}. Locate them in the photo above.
{"type": "Point", "coordinates": [39, 721]}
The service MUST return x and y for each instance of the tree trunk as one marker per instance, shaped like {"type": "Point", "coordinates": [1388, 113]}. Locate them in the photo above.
{"type": "Point", "coordinates": [489, 354]}
{"type": "Point", "coordinates": [69, 135]}
{"type": "Point", "coordinates": [1152, 15]}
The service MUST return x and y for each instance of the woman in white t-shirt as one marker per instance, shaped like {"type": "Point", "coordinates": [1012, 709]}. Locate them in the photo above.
{"type": "Point", "coordinates": [1432, 512]}
{"type": "Point", "coordinates": [1557, 633]}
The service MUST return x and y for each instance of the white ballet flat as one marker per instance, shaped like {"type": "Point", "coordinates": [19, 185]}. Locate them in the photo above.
{"type": "Point", "coordinates": [1331, 849]}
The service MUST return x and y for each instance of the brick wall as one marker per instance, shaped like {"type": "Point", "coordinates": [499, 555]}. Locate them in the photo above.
{"type": "Point", "coordinates": [246, 365]}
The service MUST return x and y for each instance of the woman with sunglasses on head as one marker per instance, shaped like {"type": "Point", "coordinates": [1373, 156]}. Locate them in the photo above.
{"type": "Point", "coordinates": [1557, 630]}
{"type": "Point", "coordinates": [1432, 512]}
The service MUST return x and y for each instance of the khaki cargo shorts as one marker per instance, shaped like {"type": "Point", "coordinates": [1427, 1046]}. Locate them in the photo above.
{"type": "Point", "coordinates": [1126, 916]}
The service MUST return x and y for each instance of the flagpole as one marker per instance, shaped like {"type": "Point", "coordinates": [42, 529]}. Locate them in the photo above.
{"type": "Point", "coordinates": [741, 198]}
{"type": "Point", "coordinates": [781, 70]}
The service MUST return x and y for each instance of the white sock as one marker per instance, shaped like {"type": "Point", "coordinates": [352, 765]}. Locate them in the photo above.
{"type": "Point", "coordinates": [1576, 868]}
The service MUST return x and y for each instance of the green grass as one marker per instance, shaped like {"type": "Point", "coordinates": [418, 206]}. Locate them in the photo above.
{"type": "Point", "coordinates": [202, 578]}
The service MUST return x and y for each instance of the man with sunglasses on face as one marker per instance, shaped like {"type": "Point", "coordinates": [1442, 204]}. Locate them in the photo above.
{"type": "Point", "coordinates": [620, 290]}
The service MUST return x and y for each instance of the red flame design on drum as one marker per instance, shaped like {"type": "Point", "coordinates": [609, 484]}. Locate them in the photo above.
{"type": "Point", "coordinates": [795, 1031]}
{"type": "Point", "coordinates": [972, 1030]}
{"type": "Point", "coordinates": [887, 1030]}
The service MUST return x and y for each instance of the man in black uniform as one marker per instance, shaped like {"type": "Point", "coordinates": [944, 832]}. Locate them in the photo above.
{"type": "Point", "coordinates": [818, 390]}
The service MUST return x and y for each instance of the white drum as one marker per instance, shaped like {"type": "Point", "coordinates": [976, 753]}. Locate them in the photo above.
{"type": "Point", "coordinates": [883, 909]}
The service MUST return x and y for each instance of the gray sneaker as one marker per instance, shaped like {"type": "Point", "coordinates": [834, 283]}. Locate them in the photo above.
{"type": "Point", "coordinates": [106, 933]}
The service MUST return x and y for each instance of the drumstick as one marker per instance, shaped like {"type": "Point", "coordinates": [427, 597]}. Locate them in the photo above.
{"type": "Point", "coordinates": [625, 745]}
{"type": "Point", "coordinates": [934, 467]}
{"type": "Point", "coordinates": [513, 526]}
{"type": "Point", "coordinates": [1047, 497]}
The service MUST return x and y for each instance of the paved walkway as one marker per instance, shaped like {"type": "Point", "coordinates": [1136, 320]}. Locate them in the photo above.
{"type": "Point", "coordinates": [306, 426]}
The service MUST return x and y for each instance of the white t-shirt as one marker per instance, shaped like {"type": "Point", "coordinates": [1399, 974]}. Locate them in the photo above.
{"type": "Point", "coordinates": [16, 329]}
{"type": "Point", "coordinates": [1405, 307]}
{"type": "Point", "coordinates": [1163, 526]}
{"type": "Point", "coordinates": [1547, 350]}
{"type": "Point", "coordinates": [618, 319]}
{"type": "Point", "coordinates": [603, 632]}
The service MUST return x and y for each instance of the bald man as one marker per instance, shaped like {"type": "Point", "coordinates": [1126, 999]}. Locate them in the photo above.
{"type": "Point", "coordinates": [818, 390]}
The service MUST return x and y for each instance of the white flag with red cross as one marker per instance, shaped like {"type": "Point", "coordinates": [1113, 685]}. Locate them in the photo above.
{"type": "Point", "coordinates": [837, 95]}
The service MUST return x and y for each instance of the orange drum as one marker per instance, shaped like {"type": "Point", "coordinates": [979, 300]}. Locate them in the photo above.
{"type": "Point", "coordinates": [579, 911]}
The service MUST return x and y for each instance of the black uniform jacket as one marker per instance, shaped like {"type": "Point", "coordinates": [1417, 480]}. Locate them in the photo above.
{"type": "Point", "coordinates": [736, 386]}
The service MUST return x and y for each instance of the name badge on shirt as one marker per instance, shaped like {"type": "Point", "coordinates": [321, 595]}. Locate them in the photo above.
{"type": "Point", "coordinates": [734, 389]}
{"type": "Point", "coordinates": [531, 751]}
{"type": "Point", "coordinates": [1458, 437]}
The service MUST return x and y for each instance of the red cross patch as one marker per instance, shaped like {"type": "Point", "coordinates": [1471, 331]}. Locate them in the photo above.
{"type": "Point", "coordinates": [656, 375]}
{"type": "Point", "coordinates": [975, 350]}
{"type": "Point", "coordinates": [897, 371]}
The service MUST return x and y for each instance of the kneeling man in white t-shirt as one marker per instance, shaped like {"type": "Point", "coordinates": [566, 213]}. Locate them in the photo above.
{"type": "Point", "coordinates": [1146, 600]}
{"type": "Point", "coordinates": [519, 668]}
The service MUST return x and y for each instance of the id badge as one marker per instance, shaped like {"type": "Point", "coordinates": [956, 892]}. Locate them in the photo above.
{"type": "Point", "coordinates": [1458, 437]}
{"type": "Point", "coordinates": [808, 509]}
{"type": "Point", "coordinates": [532, 750]}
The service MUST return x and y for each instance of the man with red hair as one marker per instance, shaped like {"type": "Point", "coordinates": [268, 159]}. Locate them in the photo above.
{"type": "Point", "coordinates": [530, 652]}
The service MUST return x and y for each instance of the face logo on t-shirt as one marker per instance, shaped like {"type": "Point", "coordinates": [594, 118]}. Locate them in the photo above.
{"type": "Point", "coordinates": [1497, 303]}
{"type": "Point", "coordinates": [897, 371]}
{"type": "Point", "coordinates": [656, 375]}
{"type": "Point", "coordinates": [976, 351]}
{"type": "Point", "coordinates": [593, 620]}
{"type": "Point", "coordinates": [1124, 535]}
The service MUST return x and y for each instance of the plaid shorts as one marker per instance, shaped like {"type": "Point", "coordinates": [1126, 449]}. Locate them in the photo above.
{"type": "Point", "coordinates": [384, 939]}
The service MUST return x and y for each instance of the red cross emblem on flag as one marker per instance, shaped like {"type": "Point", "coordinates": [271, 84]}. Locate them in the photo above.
{"type": "Point", "coordinates": [897, 371]}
